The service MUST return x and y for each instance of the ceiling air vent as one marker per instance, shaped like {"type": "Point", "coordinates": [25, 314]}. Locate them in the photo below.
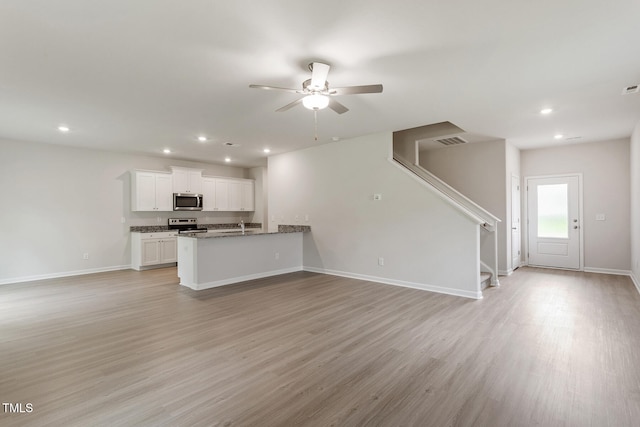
{"type": "Point", "coordinates": [630, 89]}
{"type": "Point", "coordinates": [456, 140]}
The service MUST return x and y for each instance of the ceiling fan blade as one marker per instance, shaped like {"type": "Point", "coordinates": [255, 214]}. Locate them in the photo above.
{"type": "Point", "coordinates": [319, 75]}
{"type": "Point", "coordinates": [337, 107]}
{"type": "Point", "coordinates": [289, 106]}
{"type": "Point", "coordinates": [351, 90]}
{"type": "Point", "coordinates": [274, 88]}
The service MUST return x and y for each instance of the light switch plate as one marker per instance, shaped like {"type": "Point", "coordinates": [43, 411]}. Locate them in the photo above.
{"type": "Point", "coordinates": [600, 217]}
{"type": "Point", "coordinates": [377, 197]}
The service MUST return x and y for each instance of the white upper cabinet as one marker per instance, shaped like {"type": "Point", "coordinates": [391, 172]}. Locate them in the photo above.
{"type": "Point", "coordinates": [248, 195]}
{"type": "Point", "coordinates": [222, 195]}
{"type": "Point", "coordinates": [235, 195]}
{"type": "Point", "coordinates": [187, 180]}
{"type": "Point", "coordinates": [151, 191]}
{"type": "Point", "coordinates": [208, 194]}
{"type": "Point", "coordinates": [241, 195]}
{"type": "Point", "coordinates": [228, 194]}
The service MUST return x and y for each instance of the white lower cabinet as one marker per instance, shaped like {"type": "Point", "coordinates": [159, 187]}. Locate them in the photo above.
{"type": "Point", "coordinates": [153, 249]}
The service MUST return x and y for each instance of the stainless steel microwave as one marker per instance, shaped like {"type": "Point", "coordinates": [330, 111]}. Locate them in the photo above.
{"type": "Point", "coordinates": [187, 202]}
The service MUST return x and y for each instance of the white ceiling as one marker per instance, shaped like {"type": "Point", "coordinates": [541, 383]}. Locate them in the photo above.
{"type": "Point", "coordinates": [145, 75]}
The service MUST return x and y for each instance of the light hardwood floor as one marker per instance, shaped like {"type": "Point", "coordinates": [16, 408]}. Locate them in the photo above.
{"type": "Point", "coordinates": [547, 348]}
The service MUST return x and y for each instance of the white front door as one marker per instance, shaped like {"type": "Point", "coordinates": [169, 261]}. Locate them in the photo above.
{"type": "Point", "coordinates": [515, 222]}
{"type": "Point", "coordinates": [554, 221]}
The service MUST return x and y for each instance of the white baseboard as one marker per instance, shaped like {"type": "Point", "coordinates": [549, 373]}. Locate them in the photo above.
{"type": "Point", "coordinates": [421, 286]}
{"type": "Point", "coordinates": [635, 281]}
{"type": "Point", "coordinates": [607, 271]}
{"type": "Point", "coordinates": [508, 272]}
{"type": "Point", "coordinates": [22, 279]}
{"type": "Point", "coordinates": [262, 275]}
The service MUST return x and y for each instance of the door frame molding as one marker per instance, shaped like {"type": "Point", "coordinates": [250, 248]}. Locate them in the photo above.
{"type": "Point", "coordinates": [521, 261]}
{"type": "Point", "coordinates": [525, 215]}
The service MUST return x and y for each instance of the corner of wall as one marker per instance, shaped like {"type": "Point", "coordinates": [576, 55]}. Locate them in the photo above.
{"type": "Point", "coordinates": [635, 281]}
{"type": "Point", "coordinates": [635, 204]}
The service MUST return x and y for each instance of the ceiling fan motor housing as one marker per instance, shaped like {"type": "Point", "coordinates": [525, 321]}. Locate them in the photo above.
{"type": "Point", "coordinates": [306, 87]}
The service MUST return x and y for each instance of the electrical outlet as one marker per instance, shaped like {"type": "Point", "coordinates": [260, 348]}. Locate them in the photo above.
{"type": "Point", "coordinates": [277, 255]}
{"type": "Point", "coordinates": [380, 261]}
{"type": "Point", "coordinates": [306, 218]}
{"type": "Point", "coordinates": [158, 219]}
{"type": "Point", "coordinates": [85, 255]}
{"type": "Point", "coordinates": [297, 218]}
{"type": "Point", "coordinates": [123, 220]}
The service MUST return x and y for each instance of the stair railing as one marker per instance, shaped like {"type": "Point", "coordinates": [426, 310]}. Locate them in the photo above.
{"type": "Point", "coordinates": [484, 218]}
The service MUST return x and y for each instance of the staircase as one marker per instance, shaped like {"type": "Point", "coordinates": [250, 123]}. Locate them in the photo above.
{"type": "Point", "coordinates": [485, 280]}
{"type": "Point", "coordinates": [405, 155]}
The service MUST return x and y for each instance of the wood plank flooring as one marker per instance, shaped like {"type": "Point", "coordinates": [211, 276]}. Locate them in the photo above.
{"type": "Point", "coordinates": [547, 348]}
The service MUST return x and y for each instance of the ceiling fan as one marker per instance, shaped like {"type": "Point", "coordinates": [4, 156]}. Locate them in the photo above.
{"type": "Point", "coordinates": [317, 93]}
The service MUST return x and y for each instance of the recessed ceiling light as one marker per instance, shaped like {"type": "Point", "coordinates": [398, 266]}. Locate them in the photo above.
{"type": "Point", "coordinates": [558, 136]}
{"type": "Point", "coordinates": [227, 159]}
{"type": "Point", "coordinates": [63, 128]}
{"type": "Point", "coordinates": [546, 111]}
{"type": "Point", "coordinates": [166, 151]}
{"type": "Point", "coordinates": [266, 150]}
{"type": "Point", "coordinates": [202, 138]}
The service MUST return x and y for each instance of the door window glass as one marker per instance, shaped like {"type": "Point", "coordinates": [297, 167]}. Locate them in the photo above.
{"type": "Point", "coordinates": [553, 211]}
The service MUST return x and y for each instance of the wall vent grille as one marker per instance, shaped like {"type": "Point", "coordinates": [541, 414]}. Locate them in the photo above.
{"type": "Point", "coordinates": [456, 140]}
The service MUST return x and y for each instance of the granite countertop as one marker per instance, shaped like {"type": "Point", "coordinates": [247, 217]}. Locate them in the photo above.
{"type": "Point", "coordinates": [211, 227]}
{"type": "Point", "coordinates": [248, 232]}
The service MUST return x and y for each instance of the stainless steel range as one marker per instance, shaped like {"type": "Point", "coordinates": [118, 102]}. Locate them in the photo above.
{"type": "Point", "coordinates": [185, 225]}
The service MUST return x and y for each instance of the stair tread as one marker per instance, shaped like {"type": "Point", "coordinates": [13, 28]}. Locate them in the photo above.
{"type": "Point", "coordinates": [485, 279]}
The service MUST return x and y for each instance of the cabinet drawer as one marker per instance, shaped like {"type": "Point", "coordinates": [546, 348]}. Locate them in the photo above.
{"type": "Point", "coordinates": [159, 235]}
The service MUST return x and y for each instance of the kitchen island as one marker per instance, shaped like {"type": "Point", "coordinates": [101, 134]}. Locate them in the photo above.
{"type": "Point", "coordinates": [207, 260]}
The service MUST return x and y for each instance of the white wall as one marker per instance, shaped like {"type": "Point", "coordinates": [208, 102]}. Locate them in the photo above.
{"type": "Point", "coordinates": [424, 241]}
{"type": "Point", "coordinates": [606, 186]}
{"type": "Point", "coordinates": [61, 202]}
{"type": "Point", "coordinates": [635, 205]}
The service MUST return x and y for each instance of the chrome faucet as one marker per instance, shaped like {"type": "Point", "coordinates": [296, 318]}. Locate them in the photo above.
{"type": "Point", "coordinates": [241, 225]}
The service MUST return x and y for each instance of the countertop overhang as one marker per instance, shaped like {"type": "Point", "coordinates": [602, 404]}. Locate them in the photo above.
{"type": "Point", "coordinates": [214, 234]}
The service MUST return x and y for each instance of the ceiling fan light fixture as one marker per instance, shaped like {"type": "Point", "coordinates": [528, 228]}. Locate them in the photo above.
{"type": "Point", "coordinates": [315, 101]}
